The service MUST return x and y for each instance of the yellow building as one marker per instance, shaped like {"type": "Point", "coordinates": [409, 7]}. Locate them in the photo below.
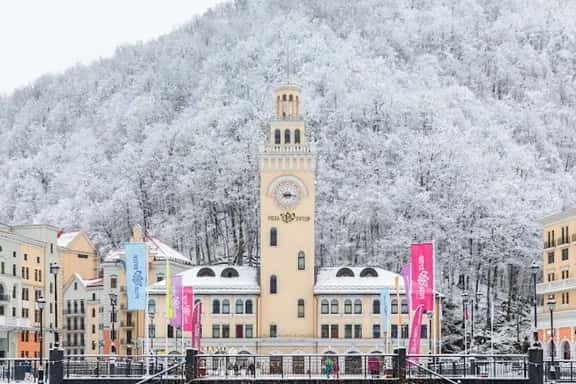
{"type": "Point", "coordinates": [559, 284]}
{"type": "Point", "coordinates": [26, 252]}
{"type": "Point", "coordinates": [287, 304]}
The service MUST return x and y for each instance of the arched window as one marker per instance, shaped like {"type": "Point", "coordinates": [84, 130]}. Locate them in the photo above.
{"type": "Point", "coordinates": [216, 306]}
{"type": "Point", "coordinates": [248, 310]}
{"type": "Point", "coordinates": [345, 272]}
{"type": "Point", "coordinates": [301, 261]}
{"type": "Point", "coordinates": [394, 306]}
{"type": "Point", "coordinates": [273, 284]}
{"type": "Point", "coordinates": [334, 306]}
{"type": "Point", "coordinates": [277, 136]}
{"type": "Point", "coordinates": [376, 306]}
{"type": "Point", "coordinates": [273, 237]}
{"type": "Point", "coordinates": [300, 308]}
{"type": "Point", "coordinates": [239, 306]}
{"type": "Point", "coordinates": [368, 272]}
{"type": "Point", "coordinates": [566, 350]}
{"type": "Point", "coordinates": [290, 98]}
{"type": "Point", "coordinates": [357, 306]}
{"type": "Point", "coordinates": [297, 136]}
{"type": "Point", "coordinates": [286, 136]}
{"type": "Point", "coordinates": [404, 308]}
{"type": "Point", "coordinates": [324, 307]}
{"type": "Point", "coordinates": [347, 306]}
{"type": "Point", "coordinates": [283, 97]}
{"type": "Point", "coordinates": [225, 306]}
{"type": "Point", "coordinates": [206, 272]}
{"type": "Point", "coordinates": [229, 272]}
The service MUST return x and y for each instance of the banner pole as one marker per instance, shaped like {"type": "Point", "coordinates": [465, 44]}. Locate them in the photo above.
{"type": "Point", "coordinates": [398, 309]}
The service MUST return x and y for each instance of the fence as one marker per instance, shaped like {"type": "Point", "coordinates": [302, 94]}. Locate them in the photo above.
{"type": "Point", "coordinates": [112, 365]}
{"type": "Point", "coordinates": [462, 366]}
{"type": "Point", "coordinates": [294, 366]}
{"type": "Point", "coordinates": [12, 369]}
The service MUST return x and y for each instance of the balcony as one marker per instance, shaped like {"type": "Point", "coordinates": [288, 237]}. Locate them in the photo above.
{"type": "Point", "coordinates": [555, 286]}
{"type": "Point", "coordinates": [286, 148]}
{"type": "Point", "coordinates": [562, 241]}
{"type": "Point", "coordinates": [127, 324]}
{"type": "Point", "coordinates": [549, 244]}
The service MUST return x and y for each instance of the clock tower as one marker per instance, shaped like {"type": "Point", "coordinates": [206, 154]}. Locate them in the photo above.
{"type": "Point", "coordinates": [287, 216]}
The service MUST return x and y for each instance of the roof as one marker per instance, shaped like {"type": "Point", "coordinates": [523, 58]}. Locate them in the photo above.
{"type": "Point", "coordinates": [89, 283]}
{"type": "Point", "coordinates": [156, 248]}
{"type": "Point", "coordinates": [328, 282]}
{"type": "Point", "coordinates": [569, 214]}
{"type": "Point", "coordinates": [66, 238]}
{"type": "Point", "coordinates": [246, 281]}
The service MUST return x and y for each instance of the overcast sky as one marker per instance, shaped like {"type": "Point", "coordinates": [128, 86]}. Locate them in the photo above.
{"type": "Point", "coordinates": [41, 36]}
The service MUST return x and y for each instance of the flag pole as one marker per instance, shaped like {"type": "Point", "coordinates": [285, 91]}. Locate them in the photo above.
{"type": "Point", "coordinates": [398, 309]}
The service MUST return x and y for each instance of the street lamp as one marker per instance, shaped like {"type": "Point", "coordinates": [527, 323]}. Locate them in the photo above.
{"type": "Point", "coordinates": [151, 328]}
{"type": "Point", "coordinates": [534, 269]}
{"type": "Point", "coordinates": [465, 309]}
{"type": "Point", "coordinates": [551, 303]}
{"type": "Point", "coordinates": [429, 316]}
{"type": "Point", "coordinates": [113, 301]}
{"type": "Point", "coordinates": [54, 268]}
{"type": "Point", "coordinates": [40, 302]}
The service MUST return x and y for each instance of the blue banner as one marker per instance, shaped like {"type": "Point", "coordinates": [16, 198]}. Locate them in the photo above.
{"type": "Point", "coordinates": [136, 275]}
{"type": "Point", "coordinates": [385, 307]}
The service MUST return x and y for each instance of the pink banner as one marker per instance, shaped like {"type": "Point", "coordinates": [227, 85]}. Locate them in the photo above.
{"type": "Point", "coordinates": [176, 320]}
{"type": "Point", "coordinates": [422, 276]}
{"type": "Point", "coordinates": [415, 329]}
{"type": "Point", "coordinates": [406, 270]}
{"type": "Point", "coordinates": [196, 329]}
{"type": "Point", "coordinates": [187, 308]}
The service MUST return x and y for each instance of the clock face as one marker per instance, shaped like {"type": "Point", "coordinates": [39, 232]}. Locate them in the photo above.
{"type": "Point", "coordinates": [287, 195]}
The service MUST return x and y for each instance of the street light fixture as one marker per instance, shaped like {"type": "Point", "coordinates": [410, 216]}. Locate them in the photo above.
{"type": "Point", "coordinates": [113, 301]}
{"type": "Point", "coordinates": [40, 302]}
{"type": "Point", "coordinates": [534, 269]}
{"type": "Point", "coordinates": [551, 303]}
{"type": "Point", "coordinates": [54, 268]}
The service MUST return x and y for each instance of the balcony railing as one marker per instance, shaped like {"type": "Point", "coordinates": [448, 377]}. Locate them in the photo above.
{"type": "Point", "coordinates": [555, 286]}
{"type": "Point", "coordinates": [549, 244]}
{"type": "Point", "coordinates": [286, 148]}
{"type": "Point", "coordinates": [562, 241]}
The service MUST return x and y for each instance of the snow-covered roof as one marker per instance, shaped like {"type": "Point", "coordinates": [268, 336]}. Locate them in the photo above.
{"type": "Point", "coordinates": [337, 280]}
{"type": "Point", "coordinates": [157, 248]}
{"type": "Point", "coordinates": [66, 238]}
{"type": "Point", "coordinates": [217, 279]}
{"type": "Point", "coordinates": [88, 283]}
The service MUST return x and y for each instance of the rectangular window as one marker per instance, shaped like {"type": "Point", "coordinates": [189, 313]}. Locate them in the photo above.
{"type": "Point", "coordinates": [37, 259]}
{"type": "Point", "coordinates": [301, 261]}
{"type": "Point", "coordinates": [348, 331]}
{"type": "Point", "coordinates": [2, 268]}
{"type": "Point", "coordinates": [357, 331]}
{"type": "Point", "coordinates": [565, 274]}
{"type": "Point", "coordinates": [324, 307]}
{"type": "Point", "coordinates": [550, 257]}
{"type": "Point", "coordinates": [423, 331]}
{"type": "Point", "coordinates": [404, 331]}
{"type": "Point", "coordinates": [565, 254]}
{"type": "Point", "coordinates": [249, 331]}
{"type": "Point", "coordinates": [273, 330]}
{"type": "Point", "coordinates": [551, 276]}
{"type": "Point", "coordinates": [80, 256]}
{"type": "Point", "coordinates": [25, 256]}
{"type": "Point", "coordinates": [113, 282]}
{"type": "Point", "coordinates": [348, 307]}
{"type": "Point", "coordinates": [376, 331]}
{"type": "Point", "coordinates": [334, 331]}
{"type": "Point", "coordinates": [239, 331]}
{"type": "Point", "coordinates": [324, 331]}
{"type": "Point", "coordinates": [225, 331]}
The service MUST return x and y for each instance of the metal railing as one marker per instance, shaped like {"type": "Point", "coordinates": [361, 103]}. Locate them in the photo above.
{"type": "Point", "coordinates": [20, 369]}
{"type": "Point", "coordinates": [118, 366]}
{"type": "Point", "coordinates": [294, 366]}
{"type": "Point", "coordinates": [459, 366]}
{"type": "Point", "coordinates": [564, 371]}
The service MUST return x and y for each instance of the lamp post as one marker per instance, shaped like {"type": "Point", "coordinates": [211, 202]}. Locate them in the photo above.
{"type": "Point", "coordinates": [534, 269]}
{"type": "Point", "coordinates": [113, 301]}
{"type": "Point", "coordinates": [54, 268]}
{"type": "Point", "coordinates": [429, 316]}
{"type": "Point", "coordinates": [551, 302]}
{"type": "Point", "coordinates": [40, 302]}
{"type": "Point", "coordinates": [464, 311]}
{"type": "Point", "coordinates": [152, 329]}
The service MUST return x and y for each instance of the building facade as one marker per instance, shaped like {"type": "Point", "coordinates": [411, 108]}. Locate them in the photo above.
{"type": "Point", "coordinates": [26, 252]}
{"type": "Point", "coordinates": [287, 304]}
{"type": "Point", "coordinates": [557, 292]}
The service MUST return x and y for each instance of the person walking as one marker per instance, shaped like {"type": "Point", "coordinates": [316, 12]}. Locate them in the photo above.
{"type": "Point", "coordinates": [328, 368]}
